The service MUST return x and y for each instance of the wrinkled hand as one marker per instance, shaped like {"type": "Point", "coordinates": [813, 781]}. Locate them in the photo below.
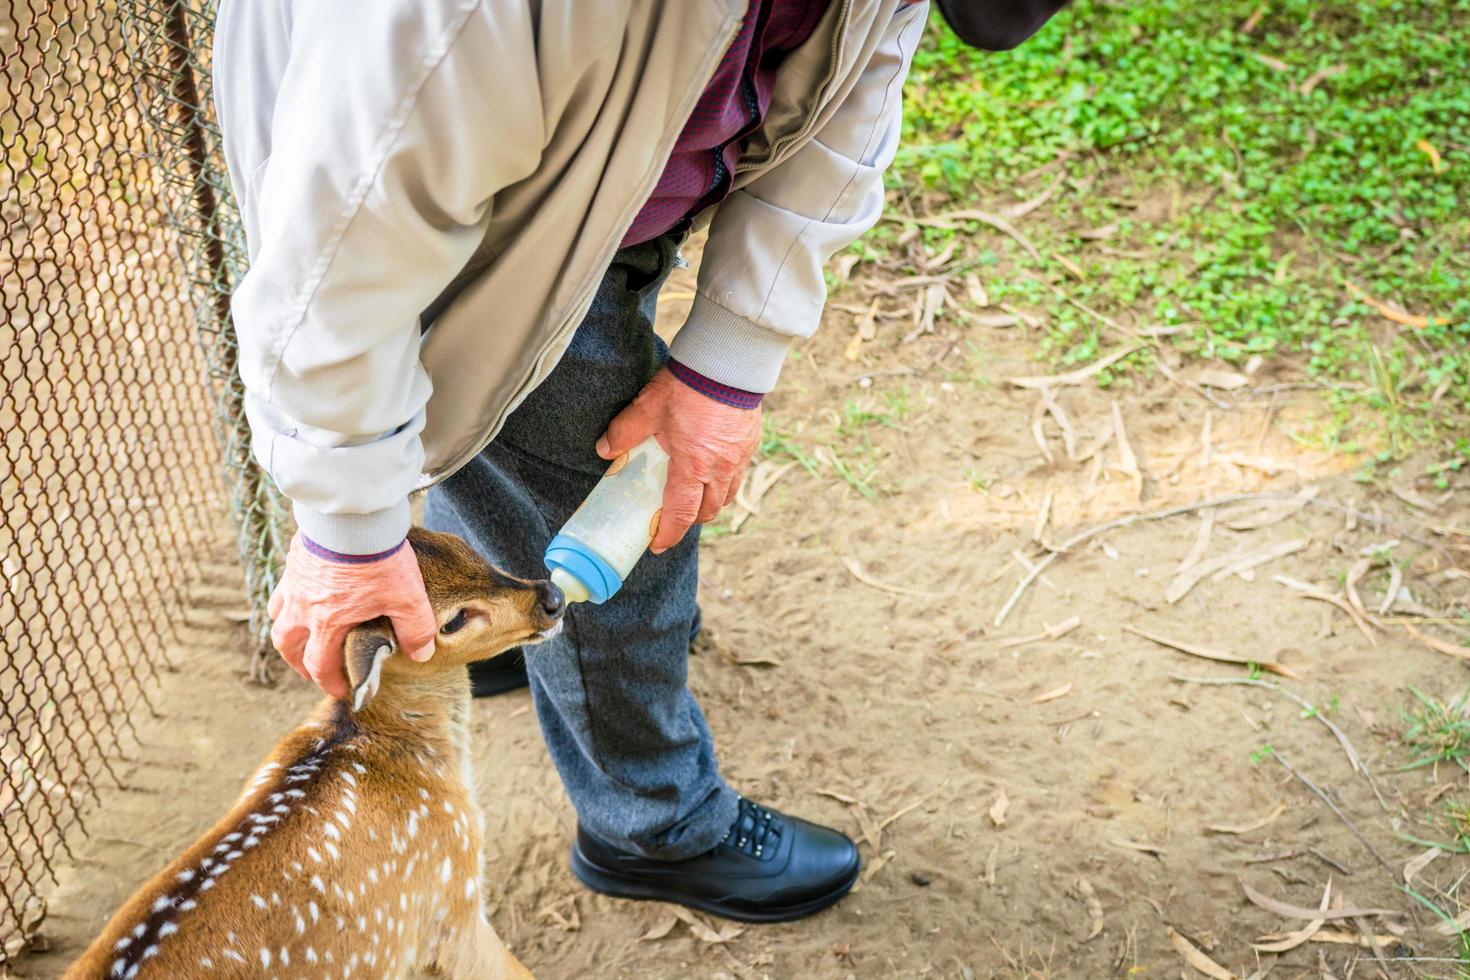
{"type": "Point", "coordinates": [709, 444]}
{"type": "Point", "coordinates": [318, 600]}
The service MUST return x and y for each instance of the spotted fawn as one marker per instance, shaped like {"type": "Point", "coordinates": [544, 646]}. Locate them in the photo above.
{"type": "Point", "coordinates": [355, 851]}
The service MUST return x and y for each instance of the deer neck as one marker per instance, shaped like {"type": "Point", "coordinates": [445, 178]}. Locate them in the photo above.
{"type": "Point", "coordinates": [425, 714]}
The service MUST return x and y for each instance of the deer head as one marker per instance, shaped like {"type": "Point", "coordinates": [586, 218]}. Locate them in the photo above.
{"type": "Point", "coordinates": [481, 612]}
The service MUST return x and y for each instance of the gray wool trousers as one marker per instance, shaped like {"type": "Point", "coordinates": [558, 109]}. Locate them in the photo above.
{"type": "Point", "coordinates": [610, 692]}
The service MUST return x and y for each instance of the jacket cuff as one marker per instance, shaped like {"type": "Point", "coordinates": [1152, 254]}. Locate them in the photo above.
{"type": "Point", "coordinates": [729, 349]}
{"type": "Point", "coordinates": [355, 534]}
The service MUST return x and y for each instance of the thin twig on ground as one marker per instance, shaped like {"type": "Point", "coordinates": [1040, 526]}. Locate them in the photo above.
{"type": "Point", "coordinates": [1035, 570]}
{"type": "Point", "coordinates": [1322, 795]}
{"type": "Point", "coordinates": [1312, 711]}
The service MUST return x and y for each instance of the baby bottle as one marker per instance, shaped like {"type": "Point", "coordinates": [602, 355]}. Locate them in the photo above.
{"type": "Point", "coordinates": [598, 546]}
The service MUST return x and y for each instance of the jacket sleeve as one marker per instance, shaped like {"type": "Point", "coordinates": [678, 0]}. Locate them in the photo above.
{"type": "Point", "coordinates": [760, 279]}
{"type": "Point", "coordinates": [376, 190]}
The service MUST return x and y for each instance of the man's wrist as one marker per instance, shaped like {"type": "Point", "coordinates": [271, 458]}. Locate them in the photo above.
{"type": "Point", "coordinates": [709, 387]}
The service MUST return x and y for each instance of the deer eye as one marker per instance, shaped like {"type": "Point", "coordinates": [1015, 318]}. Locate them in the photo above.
{"type": "Point", "coordinates": [456, 624]}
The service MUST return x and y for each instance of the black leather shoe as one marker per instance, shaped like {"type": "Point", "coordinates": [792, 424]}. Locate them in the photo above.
{"type": "Point", "coordinates": [769, 868]}
{"type": "Point", "coordinates": [506, 671]}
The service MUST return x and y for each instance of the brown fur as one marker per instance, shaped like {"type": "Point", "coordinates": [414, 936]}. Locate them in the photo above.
{"type": "Point", "coordinates": [356, 848]}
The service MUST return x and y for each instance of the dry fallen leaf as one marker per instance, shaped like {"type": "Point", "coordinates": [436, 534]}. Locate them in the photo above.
{"type": "Point", "coordinates": [1290, 911]}
{"type": "Point", "coordinates": [1418, 864]}
{"type": "Point", "coordinates": [1294, 939]}
{"type": "Point", "coordinates": [1209, 654]}
{"type": "Point", "coordinates": [975, 290]}
{"type": "Point", "coordinates": [1053, 695]}
{"type": "Point", "coordinates": [1433, 154]}
{"type": "Point", "coordinates": [872, 833]}
{"type": "Point", "coordinates": [1437, 645]}
{"type": "Point", "coordinates": [994, 319]}
{"type": "Point", "coordinates": [1253, 825]}
{"type": "Point", "coordinates": [1252, 516]}
{"type": "Point", "coordinates": [998, 809]}
{"type": "Point", "coordinates": [839, 797]}
{"type": "Point", "coordinates": [1389, 312]}
{"type": "Point", "coordinates": [865, 330]}
{"type": "Point", "coordinates": [874, 866]}
{"type": "Point", "coordinates": [1094, 908]}
{"type": "Point", "coordinates": [1197, 959]}
{"type": "Point", "coordinates": [1224, 380]}
{"type": "Point", "coordinates": [1072, 267]}
{"type": "Point", "coordinates": [661, 928]}
{"type": "Point", "coordinates": [1099, 233]}
{"type": "Point", "coordinates": [856, 570]}
{"type": "Point", "coordinates": [1237, 561]}
{"type": "Point", "coordinates": [1050, 633]}
{"type": "Point", "coordinates": [1127, 460]}
{"type": "Point", "coordinates": [1319, 76]}
{"type": "Point", "coordinates": [703, 930]}
{"type": "Point", "coordinates": [1078, 376]}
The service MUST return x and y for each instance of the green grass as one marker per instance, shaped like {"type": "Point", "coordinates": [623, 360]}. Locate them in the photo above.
{"type": "Point", "coordinates": [1267, 199]}
{"type": "Point", "coordinates": [1438, 731]}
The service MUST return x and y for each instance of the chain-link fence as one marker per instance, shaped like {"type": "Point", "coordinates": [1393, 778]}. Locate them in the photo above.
{"type": "Point", "coordinates": [119, 401]}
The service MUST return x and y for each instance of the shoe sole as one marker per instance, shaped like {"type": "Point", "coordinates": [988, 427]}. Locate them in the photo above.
{"type": "Point", "coordinates": [608, 883]}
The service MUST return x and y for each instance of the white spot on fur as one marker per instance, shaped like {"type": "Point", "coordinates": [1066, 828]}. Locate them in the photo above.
{"type": "Point", "coordinates": [167, 929]}
{"type": "Point", "coordinates": [259, 903]}
{"type": "Point", "coordinates": [445, 870]}
{"type": "Point", "coordinates": [265, 956]}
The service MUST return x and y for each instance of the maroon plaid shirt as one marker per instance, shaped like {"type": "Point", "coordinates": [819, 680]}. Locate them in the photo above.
{"type": "Point", "coordinates": [699, 168]}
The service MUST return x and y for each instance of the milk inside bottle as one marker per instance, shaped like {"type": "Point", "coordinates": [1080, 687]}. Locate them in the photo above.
{"type": "Point", "coordinates": [596, 549]}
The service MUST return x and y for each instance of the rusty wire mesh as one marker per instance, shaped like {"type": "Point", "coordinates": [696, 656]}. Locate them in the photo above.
{"type": "Point", "coordinates": [119, 401]}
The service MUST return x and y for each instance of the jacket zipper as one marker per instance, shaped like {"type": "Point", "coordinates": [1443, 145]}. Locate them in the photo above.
{"type": "Point", "coordinates": [587, 290]}
{"type": "Point", "coordinates": [834, 55]}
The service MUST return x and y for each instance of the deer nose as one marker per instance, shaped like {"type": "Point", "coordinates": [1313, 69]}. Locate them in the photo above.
{"type": "Point", "coordinates": [552, 602]}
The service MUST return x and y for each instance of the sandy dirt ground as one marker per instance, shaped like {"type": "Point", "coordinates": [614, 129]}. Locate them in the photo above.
{"type": "Point", "coordinates": [1044, 797]}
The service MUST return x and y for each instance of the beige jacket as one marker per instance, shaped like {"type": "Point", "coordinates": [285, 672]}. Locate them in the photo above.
{"type": "Point", "coordinates": [481, 159]}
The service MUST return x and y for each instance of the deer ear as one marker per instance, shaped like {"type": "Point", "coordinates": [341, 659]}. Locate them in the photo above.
{"type": "Point", "coordinates": [367, 647]}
